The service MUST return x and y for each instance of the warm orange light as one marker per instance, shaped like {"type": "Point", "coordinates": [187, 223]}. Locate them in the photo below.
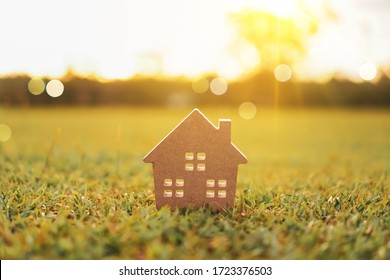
{"type": "Point", "coordinates": [247, 110]}
{"type": "Point", "coordinates": [5, 132]}
{"type": "Point", "coordinates": [55, 88]}
{"type": "Point", "coordinates": [200, 85]}
{"type": "Point", "coordinates": [218, 86]}
{"type": "Point", "coordinates": [283, 73]}
{"type": "Point", "coordinates": [36, 86]}
{"type": "Point", "coordinates": [367, 71]}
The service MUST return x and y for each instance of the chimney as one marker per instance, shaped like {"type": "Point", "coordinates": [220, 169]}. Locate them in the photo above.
{"type": "Point", "coordinates": [225, 129]}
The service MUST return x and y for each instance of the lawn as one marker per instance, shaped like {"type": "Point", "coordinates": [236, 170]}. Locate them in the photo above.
{"type": "Point", "coordinates": [73, 186]}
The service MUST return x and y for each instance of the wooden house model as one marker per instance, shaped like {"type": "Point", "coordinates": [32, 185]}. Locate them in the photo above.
{"type": "Point", "coordinates": [196, 164]}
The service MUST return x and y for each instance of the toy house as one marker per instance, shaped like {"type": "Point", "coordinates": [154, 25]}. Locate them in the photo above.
{"type": "Point", "coordinates": [196, 164]}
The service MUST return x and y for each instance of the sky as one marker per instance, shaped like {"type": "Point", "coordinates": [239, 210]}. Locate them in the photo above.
{"type": "Point", "coordinates": [118, 39]}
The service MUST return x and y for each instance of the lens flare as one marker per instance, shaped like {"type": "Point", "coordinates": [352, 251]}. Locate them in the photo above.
{"type": "Point", "coordinates": [200, 85]}
{"type": "Point", "coordinates": [218, 86]}
{"type": "Point", "coordinates": [5, 132]}
{"type": "Point", "coordinates": [283, 73]}
{"type": "Point", "coordinates": [247, 110]}
{"type": "Point", "coordinates": [36, 86]}
{"type": "Point", "coordinates": [368, 71]}
{"type": "Point", "coordinates": [55, 88]}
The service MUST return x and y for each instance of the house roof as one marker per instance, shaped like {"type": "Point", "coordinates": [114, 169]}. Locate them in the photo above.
{"type": "Point", "coordinates": [196, 132]}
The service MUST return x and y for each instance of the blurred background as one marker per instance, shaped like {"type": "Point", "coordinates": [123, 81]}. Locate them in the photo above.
{"type": "Point", "coordinates": [88, 88]}
{"type": "Point", "coordinates": [248, 54]}
{"type": "Point", "coordinates": [304, 82]}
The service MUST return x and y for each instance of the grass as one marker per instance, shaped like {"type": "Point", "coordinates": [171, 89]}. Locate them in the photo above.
{"type": "Point", "coordinates": [73, 186]}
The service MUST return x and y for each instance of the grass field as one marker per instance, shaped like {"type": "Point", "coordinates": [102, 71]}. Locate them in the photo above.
{"type": "Point", "coordinates": [73, 186]}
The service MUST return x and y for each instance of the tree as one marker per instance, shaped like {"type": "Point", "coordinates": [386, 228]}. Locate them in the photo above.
{"type": "Point", "coordinates": [277, 39]}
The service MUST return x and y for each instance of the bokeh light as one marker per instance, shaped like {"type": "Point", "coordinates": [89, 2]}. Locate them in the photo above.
{"type": "Point", "coordinates": [200, 85]}
{"type": "Point", "coordinates": [367, 71]}
{"type": "Point", "coordinates": [55, 88]}
{"type": "Point", "coordinates": [247, 110]}
{"type": "Point", "coordinates": [5, 132]}
{"type": "Point", "coordinates": [36, 86]}
{"type": "Point", "coordinates": [283, 73]}
{"type": "Point", "coordinates": [219, 86]}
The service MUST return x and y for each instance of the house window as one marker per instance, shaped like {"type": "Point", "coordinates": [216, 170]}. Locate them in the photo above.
{"type": "Point", "coordinates": [222, 183]}
{"type": "Point", "coordinates": [189, 156]}
{"type": "Point", "coordinates": [167, 193]}
{"type": "Point", "coordinates": [222, 194]}
{"type": "Point", "coordinates": [201, 156]}
{"type": "Point", "coordinates": [189, 167]}
{"type": "Point", "coordinates": [167, 182]}
{"type": "Point", "coordinates": [179, 183]}
{"type": "Point", "coordinates": [210, 183]}
{"type": "Point", "coordinates": [179, 193]}
{"type": "Point", "coordinates": [210, 193]}
{"type": "Point", "coordinates": [201, 167]}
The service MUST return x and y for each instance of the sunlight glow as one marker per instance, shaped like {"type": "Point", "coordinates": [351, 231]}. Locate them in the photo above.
{"type": "Point", "coordinates": [5, 132]}
{"type": "Point", "coordinates": [55, 88]}
{"type": "Point", "coordinates": [218, 86]}
{"type": "Point", "coordinates": [190, 38]}
{"type": "Point", "coordinates": [149, 64]}
{"type": "Point", "coordinates": [283, 73]}
{"type": "Point", "coordinates": [247, 110]}
{"type": "Point", "coordinates": [36, 86]}
{"type": "Point", "coordinates": [367, 71]}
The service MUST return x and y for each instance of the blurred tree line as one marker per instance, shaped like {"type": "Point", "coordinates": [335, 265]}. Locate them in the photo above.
{"type": "Point", "coordinates": [277, 41]}
{"type": "Point", "coordinates": [261, 89]}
